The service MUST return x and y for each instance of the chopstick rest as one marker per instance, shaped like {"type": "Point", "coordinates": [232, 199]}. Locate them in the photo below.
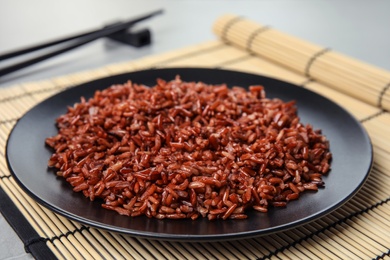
{"type": "Point", "coordinates": [137, 38]}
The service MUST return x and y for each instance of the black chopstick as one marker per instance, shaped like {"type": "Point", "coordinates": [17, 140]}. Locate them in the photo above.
{"type": "Point", "coordinates": [43, 45]}
{"type": "Point", "coordinates": [83, 38]}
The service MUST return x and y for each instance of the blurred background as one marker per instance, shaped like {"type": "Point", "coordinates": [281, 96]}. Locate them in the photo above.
{"type": "Point", "coordinates": [356, 28]}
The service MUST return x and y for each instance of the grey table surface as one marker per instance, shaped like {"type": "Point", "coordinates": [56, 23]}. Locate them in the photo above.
{"type": "Point", "coordinates": [357, 28]}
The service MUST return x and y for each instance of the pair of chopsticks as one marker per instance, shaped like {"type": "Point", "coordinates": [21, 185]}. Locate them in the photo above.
{"type": "Point", "coordinates": [82, 39]}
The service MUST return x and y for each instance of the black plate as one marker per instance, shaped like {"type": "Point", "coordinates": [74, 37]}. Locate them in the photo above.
{"type": "Point", "coordinates": [27, 158]}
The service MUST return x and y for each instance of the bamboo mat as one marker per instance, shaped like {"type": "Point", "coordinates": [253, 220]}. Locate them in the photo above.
{"type": "Point", "coordinates": [360, 229]}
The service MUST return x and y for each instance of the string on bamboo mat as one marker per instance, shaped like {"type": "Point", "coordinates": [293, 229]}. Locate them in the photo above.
{"type": "Point", "coordinates": [10, 120]}
{"type": "Point", "coordinates": [228, 25]}
{"type": "Point", "coordinates": [312, 59]}
{"type": "Point", "coordinates": [372, 116]}
{"type": "Point", "coordinates": [383, 255]}
{"type": "Point", "coordinates": [253, 35]}
{"type": "Point", "coordinates": [70, 232]}
{"type": "Point", "coordinates": [382, 94]}
{"type": "Point", "coordinates": [32, 241]}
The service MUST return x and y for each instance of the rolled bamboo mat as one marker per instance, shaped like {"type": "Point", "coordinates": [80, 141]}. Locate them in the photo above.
{"type": "Point", "coordinates": [345, 74]}
{"type": "Point", "coordinates": [360, 229]}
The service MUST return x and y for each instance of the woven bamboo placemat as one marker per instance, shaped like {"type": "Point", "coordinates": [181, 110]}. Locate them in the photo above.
{"type": "Point", "coordinates": [358, 229]}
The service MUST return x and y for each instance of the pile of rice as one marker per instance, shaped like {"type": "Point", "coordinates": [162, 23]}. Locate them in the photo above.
{"type": "Point", "coordinates": [188, 149]}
